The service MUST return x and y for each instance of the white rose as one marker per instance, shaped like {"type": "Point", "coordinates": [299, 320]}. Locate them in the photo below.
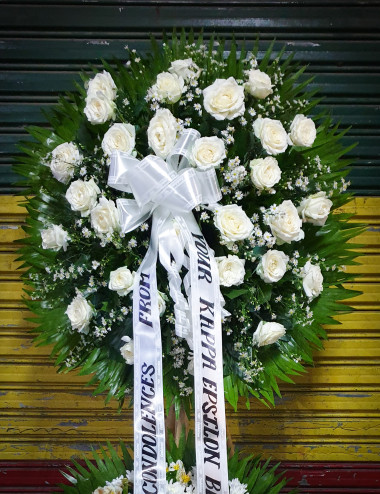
{"type": "Point", "coordinates": [82, 196]}
{"type": "Point", "coordinates": [315, 208]}
{"type": "Point", "coordinates": [208, 152]}
{"type": "Point", "coordinates": [54, 238]}
{"type": "Point", "coordinates": [102, 85]}
{"type": "Point", "coordinates": [265, 172]}
{"type": "Point", "coordinates": [169, 87]}
{"type": "Point", "coordinates": [286, 224]}
{"type": "Point", "coordinates": [162, 132]}
{"type": "Point", "coordinates": [79, 312]}
{"type": "Point", "coordinates": [224, 99]}
{"type": "Point", "coordinates": [161, 302]}
{"type": "Point", "coordinates": [259, 84]}
{"type": "Point", "coordinates": [186, 69]}
{"type": "Point", "coordinates": [268, 333]}
{"type": "Point", "coordinates": [119, 137]}
{"type": "Point", "coordinates": [272, 266]}
{"type": "Point", "coordinates": [105, 217]}
{"type": "Point", "coordinates": [233, 222]}
{"type": "Point", "coordinates": [272, 135]}
{"type": "Point", "coordinates": [312, 279]}
{"type": "Point", "coordinates": [127, 350]}
{"type": "Point", "coordinates": [64, 158]}
{"type": "Point", "coordinates": [99, 110]}
{"type": "Point", "coordinates": [302, 131]}
{"type": "Point", "coordinates": [231, 270]}
{"type": "Point", "coordinates": [121, 281]}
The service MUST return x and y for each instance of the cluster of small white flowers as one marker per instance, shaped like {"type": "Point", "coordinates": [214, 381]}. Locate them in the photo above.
{"type": "Point", "coordinates": [309, 314]}
{"type": "Point", "coordinates": [251, 60]}
{"type": "Point", "coordinates": [182, 483]}
{"type": "Point", "coordinates": [234, 174]}
{"type": "Point", "coordinates": [101, 331]}
{"type": "Point", "coordinates": [74, 271]}
{"type": "Point", "coordinates": [258, 237]}
{"type": "Point", "coordinates": [185, 390]}
{"type": "Point", "coordinates": [295, 358]}
{"type": "Point", "coordinates": [249, 368]}
{"type": "Point", "coordinates": [302, 182]}
{"type": "Point", "coordinates": [198, 108]}
{"type": "Point", "coordinates": [228, 135]}
{"type": "Point", "coordinates": [205, 216]}
{"type": "Point", "coordinates": [267, 213]}
{"type": "Point", "coordinates": [239, 195]}
{"type": "Point", "coordinates": [116, 486]}
{"type": "Point", "coordinates": [216, 63]}
{"type": "Point", "coordinates": [294, 261]}
{"type": "Point", "coordinates": [342, 188]}
{"type": "Point", "coordinates": [75, 354]}
{"type": "Point", "coordinates": [132, 243]}
{"type": "Point", "coordinates": [178, 352]}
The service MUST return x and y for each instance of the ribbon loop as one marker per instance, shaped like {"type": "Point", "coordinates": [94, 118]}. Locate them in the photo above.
{"type": "Point", "coordinates": [121, 164]}
{"type": "Point", "coordinates": [149, 178]}
{"type": "Point", "coordinates": [131, 215]}
{"type": "Point", "coordinates": [179, 156]}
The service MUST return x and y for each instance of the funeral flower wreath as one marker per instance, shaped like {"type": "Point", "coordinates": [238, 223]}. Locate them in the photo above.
{"type": "Point", "coordinates": [279, 241]}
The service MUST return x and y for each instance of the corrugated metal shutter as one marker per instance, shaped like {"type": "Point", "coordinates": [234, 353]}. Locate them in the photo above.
{"type": "Point", "coordinates": [45, 45]}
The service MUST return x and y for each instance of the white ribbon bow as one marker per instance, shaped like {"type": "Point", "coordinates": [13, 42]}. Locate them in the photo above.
{"type": "Point", "coordinates": [169, 190]}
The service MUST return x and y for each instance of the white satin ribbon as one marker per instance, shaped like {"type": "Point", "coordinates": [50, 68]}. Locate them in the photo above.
{"type": "Point", "coordinates": [169, 190]}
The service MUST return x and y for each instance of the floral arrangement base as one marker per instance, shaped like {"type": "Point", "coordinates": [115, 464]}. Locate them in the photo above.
{"type": "Point", "coordinates": [109, 473]}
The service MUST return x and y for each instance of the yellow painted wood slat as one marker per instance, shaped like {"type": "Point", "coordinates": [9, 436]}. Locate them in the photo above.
{"type": "Point", "coordinates": [11, 209]}
{"type": "Point", "coordinates": [11, 294]}
{"type": "Point", "coordinates": [369, 296]}
{"type": "Point", "coordinates": [307, 451]}
{"type": "Point", "coordinates": [256, 429]}
{"type": "Point", "coordinates": [365, 209]}
{"type": "Point", "coordinates": [10, 233]}
{"type": "Point", "coordinates": [14, 321]}
{"type": "Point", "coordinates": [332, 414]}
{"type": "Point", "coordinates": [9, 267]}
{"type": "Point", "coordinates": [332, 374]}
{"type": "Point", "coordinates": [359, 323]}
{"type": "Point", "coordinates": [296, 402]}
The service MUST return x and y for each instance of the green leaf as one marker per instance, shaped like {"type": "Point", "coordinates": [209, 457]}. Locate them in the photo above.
{"type": "Point", "coordinates": [236, 293]}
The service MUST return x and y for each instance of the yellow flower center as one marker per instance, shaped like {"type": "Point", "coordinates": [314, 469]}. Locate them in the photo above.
{"type": "Point", "coordinates": [185, 478]}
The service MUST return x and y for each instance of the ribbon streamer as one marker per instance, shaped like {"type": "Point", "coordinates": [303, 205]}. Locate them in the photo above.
{"type": "Point", "coordinates": [169, 190]}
